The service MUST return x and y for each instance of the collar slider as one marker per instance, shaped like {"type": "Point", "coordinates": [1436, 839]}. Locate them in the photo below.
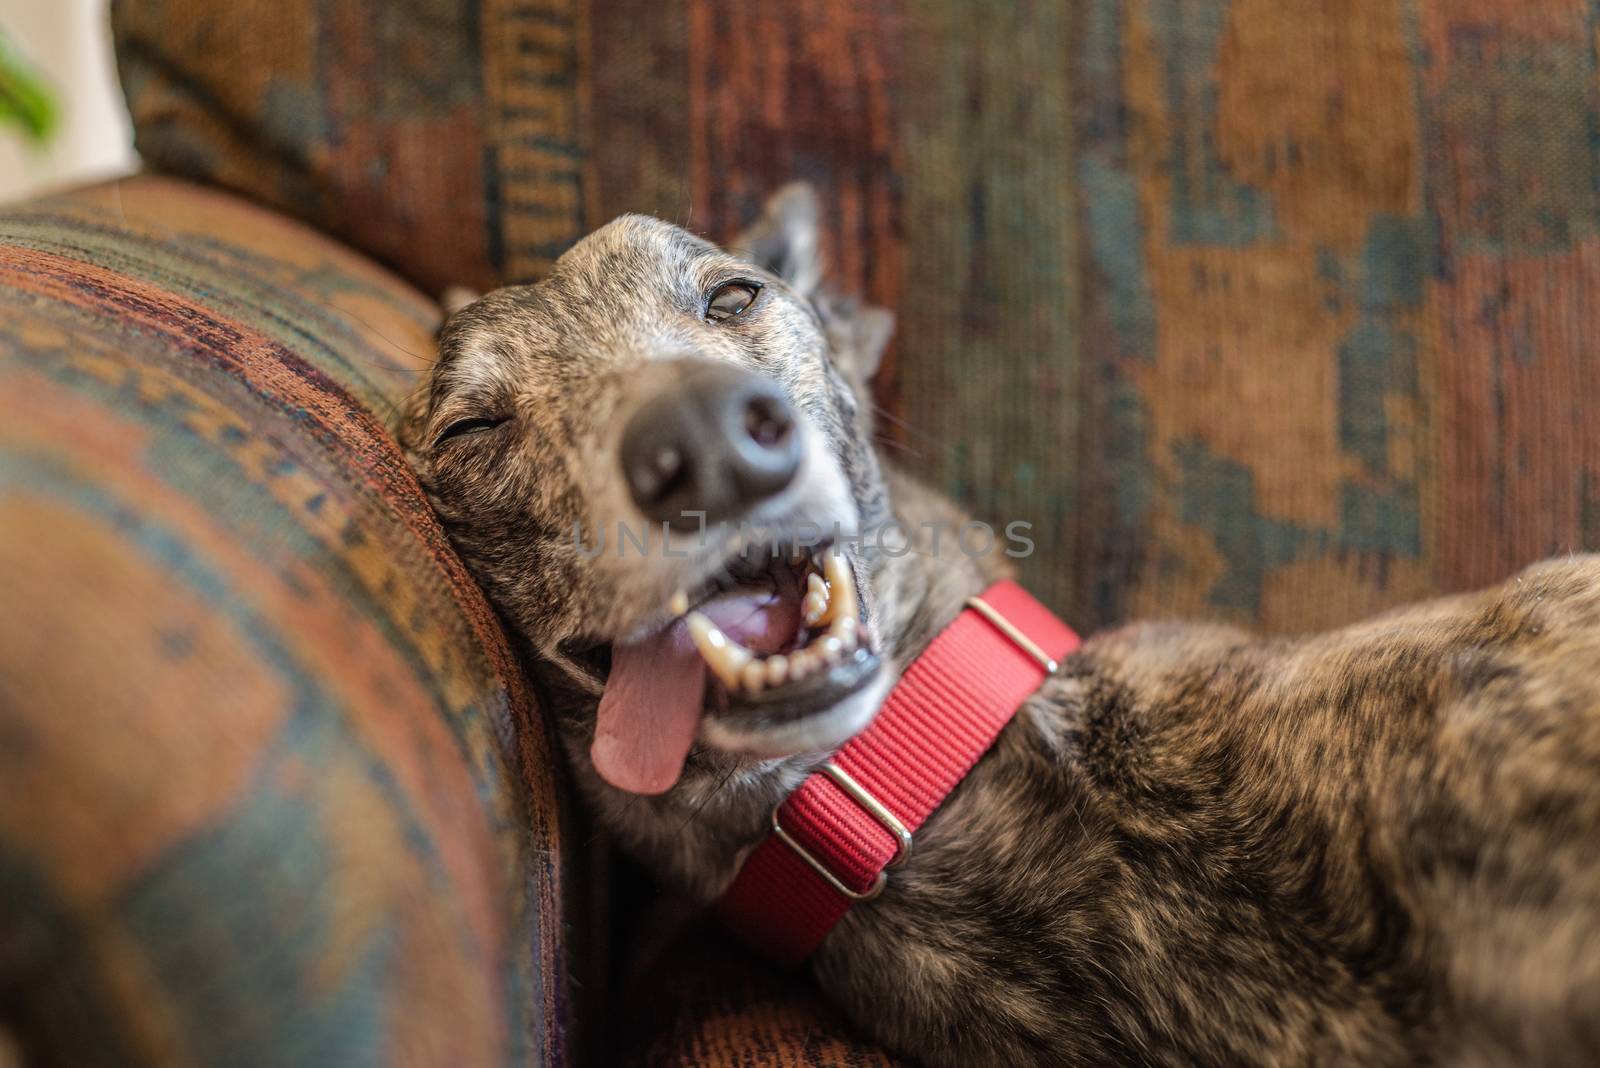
{"type": "Point", "coordinates": [1019, 639]}
{"type": "Point", "coordinates": [874, 808]}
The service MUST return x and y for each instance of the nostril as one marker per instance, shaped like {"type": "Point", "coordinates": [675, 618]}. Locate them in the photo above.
{"type": "Point", "coordinates": [768, 422]}
{"type": "Point", "coordinates": [656, 473]}
{"type": "Point", "coordinates": [766, 442]}
{"type": "Point", "coordinates": [710, 445]}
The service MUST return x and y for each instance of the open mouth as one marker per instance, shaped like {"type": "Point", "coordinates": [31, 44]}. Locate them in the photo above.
{"type": "Point", "coordinates": [807, 622]}
{"type": "Point", "coordinates": [756, 662]}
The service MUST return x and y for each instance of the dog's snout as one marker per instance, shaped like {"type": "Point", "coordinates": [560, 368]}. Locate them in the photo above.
{"type": "Point", "coordinates": [718, 440]}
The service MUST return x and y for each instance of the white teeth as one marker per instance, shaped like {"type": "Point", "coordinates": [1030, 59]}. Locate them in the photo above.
{"type": "Point", "coordinates": [725, 656]}
{"type": "Point", "coordinates": [815, 603]}
{"type": "Point", "coordinates": [830, 599]}
{"type": "Point", "coordinates": [841, 587]}
{"type": "Point", "coordinates": [802, 664]}
{"type": "Point", "coordinates": [754, 676]}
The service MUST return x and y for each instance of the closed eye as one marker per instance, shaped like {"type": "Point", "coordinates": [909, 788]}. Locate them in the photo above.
{"type": "Point", "coordinates": [463, 427]}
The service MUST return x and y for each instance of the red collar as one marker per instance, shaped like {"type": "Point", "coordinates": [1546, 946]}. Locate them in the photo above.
{"type": "Point", "coordinates": [837, 838]}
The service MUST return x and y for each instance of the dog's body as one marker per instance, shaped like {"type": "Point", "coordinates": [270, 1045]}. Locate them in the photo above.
{"type": "Point", "coordinates": [1378, 846]}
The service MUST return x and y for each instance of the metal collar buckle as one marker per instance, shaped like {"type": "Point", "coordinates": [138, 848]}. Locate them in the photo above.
{"type": "Point", "coordinates": [1011, 631]}
{"type": "Point", "coordinates": [874, 808]}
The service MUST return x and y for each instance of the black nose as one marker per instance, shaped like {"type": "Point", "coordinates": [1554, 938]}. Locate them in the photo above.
{"type": "Point", "coordinates": [719, 440]}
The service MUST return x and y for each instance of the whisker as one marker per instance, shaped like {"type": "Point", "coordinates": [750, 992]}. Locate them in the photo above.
{"type": "Point", "coordinates": [891, 443]}
{"type": "Point", "coordinates": [599, 830]}
{"type": "Point", "coordinates": [909, 428]}
{"type": "Point", "coordinates": [706, 800]}
{"type": "Point", "coordinates": [347, 313]}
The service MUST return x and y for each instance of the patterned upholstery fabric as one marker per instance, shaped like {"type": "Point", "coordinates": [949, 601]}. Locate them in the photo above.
{"type": "Point", "coordinates": [706, 1002]}
{"type": "Point", "coordinates": [271, 789]}
{"type": "Point", "coordinates": [1280, 311]}
{"type": "Point", "coordinates": [1274, 311]}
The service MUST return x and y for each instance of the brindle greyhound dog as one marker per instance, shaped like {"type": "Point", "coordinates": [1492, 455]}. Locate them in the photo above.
{"type": "Point", "coordinates": [1379, 846]}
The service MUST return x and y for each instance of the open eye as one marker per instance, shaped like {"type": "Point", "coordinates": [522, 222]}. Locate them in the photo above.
{"type": "Point", "coordinates": [731, 299]}
{"type": "Point", "coordinates": [463, 427]}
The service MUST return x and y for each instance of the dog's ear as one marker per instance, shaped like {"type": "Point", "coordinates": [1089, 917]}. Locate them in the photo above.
{"type": "Point", "coordinates": [784, 238]}
{"type": "Point", "coordinates": [858, 334]}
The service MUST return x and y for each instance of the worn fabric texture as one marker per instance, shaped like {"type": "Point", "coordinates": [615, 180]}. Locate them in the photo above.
{"type": "Point", "coordinates": [706, 1002]}
{"type": "Point", "coordinates": [271, 788]}
{"type": "Point", "coordinates": [1274, 311]}
{"type": "Point", "coordinates": [1279, 311]}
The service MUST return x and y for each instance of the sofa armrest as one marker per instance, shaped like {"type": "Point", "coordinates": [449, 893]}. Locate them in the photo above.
{"type": "Point", "coordinates": [271, 788]}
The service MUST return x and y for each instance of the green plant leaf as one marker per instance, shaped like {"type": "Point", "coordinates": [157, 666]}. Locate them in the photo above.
{"type": "Point", "coordinates": [26, 102]}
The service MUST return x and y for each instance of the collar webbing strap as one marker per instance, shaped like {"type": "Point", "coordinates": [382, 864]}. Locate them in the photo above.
{"type": "Point", "coordinates": [836, 838]}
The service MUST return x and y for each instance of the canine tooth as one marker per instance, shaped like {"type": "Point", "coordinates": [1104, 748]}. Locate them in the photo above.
{"type": "Point", "coordinates": [831, 648]}
{"type": "Point", "coordinates": [725, 656]}
{"type": "Point", "coordinates": [777, 669]}
{"type": "Point", "coordinates": [754, 676]}
{"type": "Point", "coordinates": [841, 586]}
{"type": "Point", "coordinates": [679, 603]}
{"type": "Point", "coordinates": [847, 630]}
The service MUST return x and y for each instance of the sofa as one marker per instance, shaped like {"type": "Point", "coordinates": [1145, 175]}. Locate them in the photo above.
{"type": "Point", "coordinates": [1279, 313]}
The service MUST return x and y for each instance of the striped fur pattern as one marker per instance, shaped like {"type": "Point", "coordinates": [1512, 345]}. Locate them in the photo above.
{"type": "Point", "coordinates": [1273, 312]}
{"type": "Point", "coordinates": [1378, 845]}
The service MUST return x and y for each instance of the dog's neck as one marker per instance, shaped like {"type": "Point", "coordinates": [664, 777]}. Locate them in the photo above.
{"type": "Point", "coordinates": [698, 834]}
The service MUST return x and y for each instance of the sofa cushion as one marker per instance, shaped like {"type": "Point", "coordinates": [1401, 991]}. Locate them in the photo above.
{"type": "Point", "coordinates": [271, 788]}
{"type": "Point", "coordinates": [705, 1001]}
{"type": "Point", "coordinates": [1275, 311]}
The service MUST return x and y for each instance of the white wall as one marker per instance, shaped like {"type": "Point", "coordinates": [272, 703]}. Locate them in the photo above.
{"type": "Point", "coordinates": [69, 43]}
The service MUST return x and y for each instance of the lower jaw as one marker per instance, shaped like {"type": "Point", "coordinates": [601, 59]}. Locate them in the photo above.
{"type": "Point", "coordinates": [837, 707]}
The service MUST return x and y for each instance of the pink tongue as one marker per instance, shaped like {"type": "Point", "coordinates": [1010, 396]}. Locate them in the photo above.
{"type": "Point", "coordinates": [650, 711]}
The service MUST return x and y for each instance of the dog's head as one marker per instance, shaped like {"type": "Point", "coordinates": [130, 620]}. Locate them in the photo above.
{"type": "Point", "coordinates": [657, 461]}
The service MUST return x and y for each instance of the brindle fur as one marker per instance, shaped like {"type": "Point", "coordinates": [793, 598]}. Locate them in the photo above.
{"type": "Point", "coordinates": [1379, 846]}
